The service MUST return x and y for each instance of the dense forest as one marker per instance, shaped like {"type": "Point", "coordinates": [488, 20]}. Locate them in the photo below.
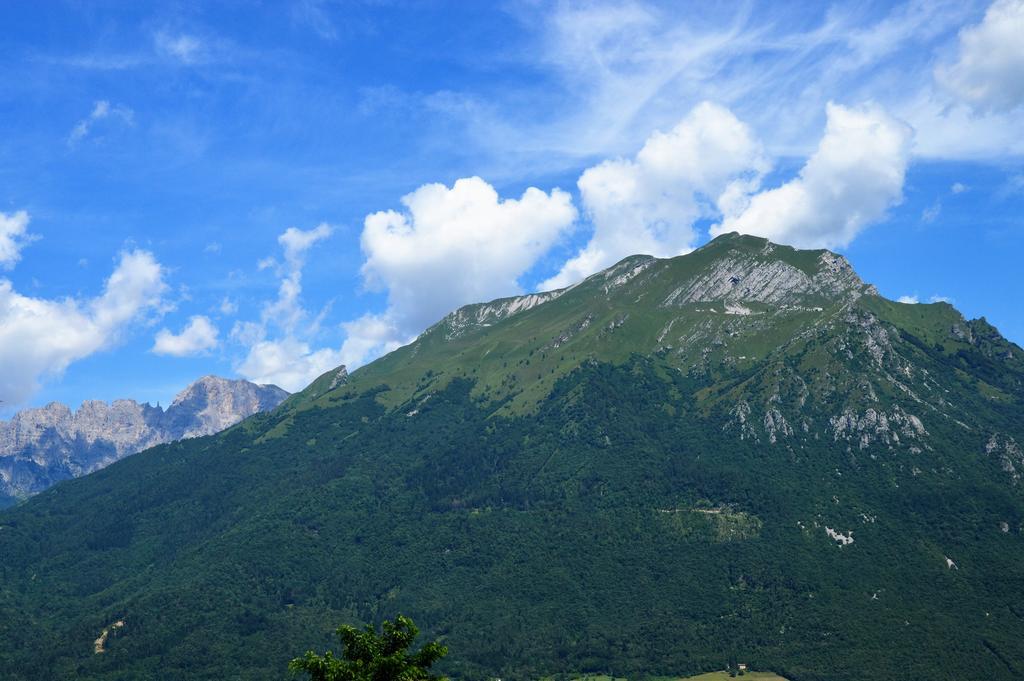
{"type": "Point", "coordinates": [617, 530]}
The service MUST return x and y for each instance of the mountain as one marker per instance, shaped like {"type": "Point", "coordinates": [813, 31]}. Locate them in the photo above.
{"type": "Point", "coordinates": [740, 454]}
{"type": "Point", "coordinates": [39, 447]}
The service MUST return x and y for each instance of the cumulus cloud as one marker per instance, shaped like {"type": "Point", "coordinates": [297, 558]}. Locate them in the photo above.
{"type": "Point", "coordinates": [101, 110]}
{"type": "Point", "coordinates": [456, 245]}
{"type": "Point", "coordinates": [40, 338]}
{"type": "Point", "coordinates": [988, 71]}
{"type": "Point", "coordinates": [287, 362]}
{"type": "Point", "coordinates": [850, 181]}
{"type": "Point", "coordinates": [198, 336]}
{"type": "Point", "coordinates": [278, 347]}
{"type": "Point", "coordinates": [371, 335]}
{"type": "Point", "coordinates": [14, 236]}
{"type": "Point", "coordinates": [648, 204]}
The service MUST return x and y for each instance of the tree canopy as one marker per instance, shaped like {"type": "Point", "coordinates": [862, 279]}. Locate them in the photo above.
{"type": "Point", "coordinates": [369, 656]}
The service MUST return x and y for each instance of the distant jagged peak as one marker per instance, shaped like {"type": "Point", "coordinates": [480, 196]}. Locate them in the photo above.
{"type": "Point", "coordinates": [216, 387]}
{"type": "Point", "coordinates": [211, 404]}
{"type": "Point", "coordinates": [62, 443]}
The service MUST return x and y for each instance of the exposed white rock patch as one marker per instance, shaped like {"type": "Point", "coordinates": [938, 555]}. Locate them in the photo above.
{"type": "Point", "coordinates": [340, 377]}
{"type": "Point", "coordinates": [1011, 459]}
{"type": "Point", "coordinates": [889, 428]}
{"type": "Point", "coordinates": [741, 416]}
{"type": "Point", "coordinates": [570, 333]}
{"type": "Point", "coordinates": [616, 323]}
{"type": "Point", "coordinates": [839, 537]}
{"type": "Point", "coordinates": [470, 317]}
{"type": "Point", "coordinates": [665, 330]}
{"type": "Point", "coordinates": [776, 425]}
{"type": "Point", "coordinates": [737, 309]}
{"type": "Point", "coordinates": [624, 272]}
{"type": "Point", "coordinates": [742, 277]}
{"type": "Point", "coordinates": [99, 645]}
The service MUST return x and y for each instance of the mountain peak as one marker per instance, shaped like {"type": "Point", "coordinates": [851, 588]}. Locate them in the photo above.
{"type": "Point", "coordinates": [742, 268]}
{"type": "Point", "coordinates": [39, 447]}
{"type": "Point", "coordinates": [736, 426]}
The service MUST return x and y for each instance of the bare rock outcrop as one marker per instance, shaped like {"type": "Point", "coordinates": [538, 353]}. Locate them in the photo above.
{"type": "Point", "coordinates": [41, 446]}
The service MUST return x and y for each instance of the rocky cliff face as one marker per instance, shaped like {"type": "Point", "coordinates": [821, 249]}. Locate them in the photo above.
{"type": "Point", "coordinates": [39, 447]}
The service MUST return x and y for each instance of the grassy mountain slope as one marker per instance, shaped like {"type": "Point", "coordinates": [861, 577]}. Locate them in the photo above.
{"type": "Point", "coordinates": [742, 453]}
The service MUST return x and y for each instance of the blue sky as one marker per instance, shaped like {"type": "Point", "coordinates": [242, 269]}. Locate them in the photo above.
{"type": "Point", "coordinates": [268, 191]}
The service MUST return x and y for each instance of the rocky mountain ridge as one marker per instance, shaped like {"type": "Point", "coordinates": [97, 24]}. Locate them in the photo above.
{"type": "Point", "coordinates": [744, 452]}
{"type": "Point", "coordinates": [41, 446]}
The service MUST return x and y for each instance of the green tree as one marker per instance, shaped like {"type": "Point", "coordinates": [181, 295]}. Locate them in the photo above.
{"type": "Point", "coordinates": [369, 656]}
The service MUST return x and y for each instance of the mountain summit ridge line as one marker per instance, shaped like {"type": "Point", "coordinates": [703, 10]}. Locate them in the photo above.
{"type": "Point", "coordinates": [41, 446]}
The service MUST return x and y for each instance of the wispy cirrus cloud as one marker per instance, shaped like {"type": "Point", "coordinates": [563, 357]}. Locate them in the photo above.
{"type": "Point", "coordinates": [102, 110]}
{"type": "Point", "coordinates": [183, 47]}
{"type": "Point", "coordinates": [280, 347]}
{"type": "Point", "coordinates": [612, 72]}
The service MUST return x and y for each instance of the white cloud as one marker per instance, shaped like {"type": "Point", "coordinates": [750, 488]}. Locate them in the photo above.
{"type": "Point", "coordinates": [958, 188]}
{"type": "Point", "coordinates": [101, 110]}
{"type": "Point", "coordinates": [457, 245]}
{"type": "Point", "coordinates": [315, 15]}
{"type": "Point", "coordinates": [989, 71]}
{"type": "Point", "coordinates": [1014, 185]}
{"type": "Point", "coordinates": [947, 129]}
{"type": "Point", "coordinates": [185, 48]}
{"type": "Point", "coordinates": [278, 347]}
{"type": "Point", "coordinates": [14, 236]}
{"type": "Point", "coordinates": [649, 204]}
{"type": "Point", "coordinates": [228, 306]}
{"type": "Point", "coordinates": [287, 362]}
{"type": "Point", "coordinates": [931, 213]}
{"type": "Point", "coordinates": [367, 337]}
{"type": "Point", "coordinates": [614, 71]}
{"type": "Point", "coordinates": [914, 300]}
{"type": "Point", "coordinates": [287, 311]}
{"type": "Point", "coordinates": [850, 181]}
{"type": "Point", "coordinates": [198, 336]}
{"type": "Point", "coordinates": [297, 242]}
{"type": "Point", "coordinates": [40, 338]}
